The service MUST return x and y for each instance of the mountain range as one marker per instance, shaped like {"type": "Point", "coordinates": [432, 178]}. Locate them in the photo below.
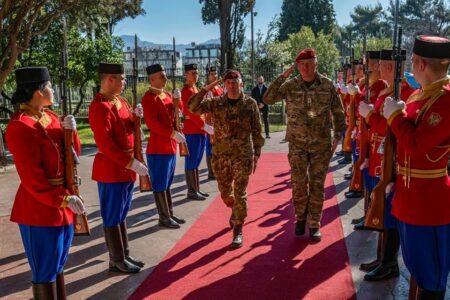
{"type": "Point", "coordinates": [129, 43]}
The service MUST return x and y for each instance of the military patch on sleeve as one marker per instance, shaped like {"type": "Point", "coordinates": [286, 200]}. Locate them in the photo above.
{"type": "Point", "coordinates": [434, 119]}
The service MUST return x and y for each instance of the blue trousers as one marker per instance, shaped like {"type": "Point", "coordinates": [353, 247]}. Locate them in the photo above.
{"type": "Point", "coordinates": [115, 201]}
{"type": "Point", "coordinates": [390, 222]}
{"type": "Point", "coordinates": [355, 153]}
{"type": "Point", "coordinates": [196, 144]}
{"type": "Point", "coordinates": [209, 146]}
{"type": "Point", "coordinates": [47, 249]}
{"type": "Point", "coordinates": [161, 168]}
{"type": "Point", "coordinates": [426, 252]}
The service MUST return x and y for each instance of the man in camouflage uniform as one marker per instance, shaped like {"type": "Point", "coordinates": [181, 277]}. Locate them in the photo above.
{"type": "Point", "coordinates": [237, 130]}
{"type": "Point", "coordinates": [311, 100]}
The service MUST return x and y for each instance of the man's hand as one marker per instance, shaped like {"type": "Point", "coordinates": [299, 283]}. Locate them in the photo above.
{"type": "Point", "coordinates": [334, 145]}
{"type": "Point", "coordinates": [261, 106]}
{"type": "Point", "coordinates": [344, 89]}
{"type": "Point", "coordinates": [210, 86]}
{"type": "Point", "coordinates": [289, 71]}
{"type": "Point", "coordinates": [354, 133]}
{"type": "Point", "coordinates": [365, 109]}
{"type": "Point", "coordinates": [69, 123]}
{"type": "Point", "coordinates": [391, 106]}
{"type": "Point", "coordinates": [209, 129]}
{"type": "Point", "coordinates": [364, 165]}
{"type": "Point", "coordinates": [178, 137]}
{"type": "Point", "coordinates": [353, 89]}
{"type": "Point", "coordinates": [75, 204]}
{"type": "Point", "coordinates": [255, 162]}
{"type": "Point", "coordinates": [390, 188]}
{"type": "Point", "coordinates": [139, 167]}
{"type": "Point", "coordinates": [176, 94]}
{"type": "Point", "coordinates": [139, 111]}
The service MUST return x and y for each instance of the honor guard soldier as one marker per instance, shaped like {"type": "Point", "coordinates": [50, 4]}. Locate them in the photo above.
{"type": "Point", "coordinates": [43, 207]}
{"type": "Point", "coordinates": [162, 143]}
{"type": "Point", "coordinates": [422, 187]}
{"type": "Point", "coordinates": [237, 147]}
{"type": "Point", "coordinates": [195, 130]}
{"type": "Point", "coordinates": [215, 92]}
{"type": "Point", "coordinates": [390, 241]}
{"type": "Point", "coordinates": [114, 166]}
{"type": "Point", "coordinates": [312, 106]}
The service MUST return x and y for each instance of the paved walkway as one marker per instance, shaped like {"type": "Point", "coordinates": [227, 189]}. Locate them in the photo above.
{"type": "Point", "coordinates": [86, 271]}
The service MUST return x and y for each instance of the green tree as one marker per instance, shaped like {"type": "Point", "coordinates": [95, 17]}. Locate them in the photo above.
{"type": "Point", "coordinates": [370, 19]}
{"type": "Point", "coordinates": [319, 15]}
{"type": "Point", "coordinates": [229, 15]}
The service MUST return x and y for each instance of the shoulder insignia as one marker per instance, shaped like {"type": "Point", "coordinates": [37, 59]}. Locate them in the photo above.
{"type": "Point", "coordinates": [434, 119]}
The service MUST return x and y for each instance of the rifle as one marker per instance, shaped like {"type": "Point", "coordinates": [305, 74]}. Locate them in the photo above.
{"type": "Point", "coordinates": [357, 182]}
{"type": "Point", "coordinates": [375, 214]}
{"type": "Point", "coordinates": [71, 178]}
{"type": "Point", "coordinates": [145, 184]}
{"type": "Point", "coordinates": [347, 143]}
{"type": "Point", "coordinates": [184, 151]}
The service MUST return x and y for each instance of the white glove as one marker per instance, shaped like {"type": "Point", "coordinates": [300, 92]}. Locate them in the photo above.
{"type": "Point", "coordinates": [354, 133]}
{"type": "Point", "coordinates": [139, 111]}
{"type": "Point", "coordinates": [353, 89]}
{"type": "Point", "coordinates": [344, 89]}
{"type": "Point", "coordinates": [176, 94]}
{"type": "Point", "coordinates": [69, 123]}
{"type": "Point", "coordinates": [75, 204]}
{"type": "Point", "coordinates": [365, 109]}
{"type": "Point", "coordinates": [139, 168]}
{"type": "Point", "coordinates": [364, 165]}
{"type": "Point", "coordinates": [179, 137]}
{"type": "Point", "coordinates": [209, 129]}
{"type": "Point", "coordinates": [209, 95]}
{"type": "Point", "coordinates": [390, 188]}
{"type": "Point", "coordinates": [390, 106]}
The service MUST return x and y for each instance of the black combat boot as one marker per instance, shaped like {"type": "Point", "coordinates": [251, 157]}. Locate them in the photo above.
{"type": "Point", "coordinates": [348, 176]}
{"type": "Point", "coordinates": [237, 236]}
{"type": "Point", "coordinates": [300, 227]}
{"type": "Point", "coordinates": [389, 264]}
{"type": "Point", "coordinates": [117, 261]}
{"type": "Point", "coordinates": [315, 235]}
{"type": "Point", "coordinates": [165, 219]}
{"type": "Point", "coordinates": [367, 267]}
{"type": "Point", "coordinates": [197, 184]}
{"type": "Point", "coordinates": [354, 194]}
{"type": "Point", "coordinates": [358, 220]}
{"type": "Point", "coordinates": [45, 291]}
{"type": "Point", "coordinates": [60, 286]}
{"type": "Point", "coordinates": [210, 170]}
{"type": "Point", "coordinates": [192, 186]}
{"type": "Point", "coordinates": [347, 159]}
{"type": "Point", "coordinates": [340, 153]}
{"type": "Point", "coordinates": [169, 202]}
{"type": "Point", "coordinates": [126, 248]}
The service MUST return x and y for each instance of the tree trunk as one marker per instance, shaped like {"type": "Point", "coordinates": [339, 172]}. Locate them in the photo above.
{"type": "Point", "coordinates": [225, 41]}
{"type": "Point", "coordinates": [81, 89]}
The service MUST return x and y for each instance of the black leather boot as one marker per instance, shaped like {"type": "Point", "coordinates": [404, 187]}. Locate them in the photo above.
{"type": "Point", "coordinates": [192, 186]}
{"type": "Point", "coordinates": [348, 176]}
{"type": "Point", "coordinates": [169, 202]}
{"type": "Point", "coordinates": [300, 227]}
{"type": "Point", "coordinates": [360, 226]}
{"type": "Point", "coordinates": [359, 220]}
{"type": "Point", "coordinates": [431, 295]}
{"type": "Point", "coordinates": [197, 184]}
{"type": "Point", "coordinates": [347, 159]}
{"type": "Point", "coordinates": [164, 211]}
{"type": "Point", "coordinates": [389, 264]}
{"type": "Point", "coordinates": [210, 170]}
{"type": "Point", "coordinates": [315, 235]}
{"type": "Point", "coordinates": [117, 261]}
{"type": "Point", "coordinates": [367, 267]}
{"type": "Point", "coordinates": [237, 236]}
{"type": "Point", "coordinates": [354, 194]}
{"type": "Point", "coordinates": [60, 286]}
{"type": "Point", "coordinates": [340, 153]}
{"type": "Point", "coordinates": [45, 291]}
{"type": "Point", "coordinates": [124, 233]}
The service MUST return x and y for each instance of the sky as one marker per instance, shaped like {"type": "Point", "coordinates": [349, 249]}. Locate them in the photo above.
{"type": "Point", "coordinates": [182, 19]}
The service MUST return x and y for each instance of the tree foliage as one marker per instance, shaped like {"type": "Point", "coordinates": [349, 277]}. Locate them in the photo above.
{"type": "Point", "coordinates": [229, 15]}
{"type": "Point", "coordinates": [319, 15]}
{"type": "Point", "coordinates": [372, 19]}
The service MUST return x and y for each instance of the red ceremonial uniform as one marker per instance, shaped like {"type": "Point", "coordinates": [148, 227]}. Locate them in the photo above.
{"type": "Point", "coordinates": [378, 126]}
{"type": "Point", "coordinates": [36, 142]}
{"type": "Point", "coordinates": [193, 124]}
{"type": "Point", "coordinates": [422, 191]}
{"type": "Point", "coordinates": [358, 98]}
{"type": "Point", "coordinates": [112, 123]}
{"type": "Point", "coordinates": [159, 117]}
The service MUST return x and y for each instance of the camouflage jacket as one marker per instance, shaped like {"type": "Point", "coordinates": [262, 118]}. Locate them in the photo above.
{"type": "Point", "coordinates": [237, 126]}
{"type": "Point", "coordinates": [310, 110]}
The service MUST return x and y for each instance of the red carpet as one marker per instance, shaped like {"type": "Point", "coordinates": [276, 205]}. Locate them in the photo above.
{"type": "Point", "coordinates": [272, 264]}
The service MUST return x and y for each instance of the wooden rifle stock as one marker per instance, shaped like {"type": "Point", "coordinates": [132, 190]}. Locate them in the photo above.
{"type": "Point", "coordinates": [347, 143]}
{"type": "Point", "coordinates": [145, 184]}
{"type": "Point", "coordinates": [184, 151]}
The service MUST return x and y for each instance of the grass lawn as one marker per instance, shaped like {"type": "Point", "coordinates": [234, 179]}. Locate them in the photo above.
{"type": "Point", "coordinates": [87, 137]}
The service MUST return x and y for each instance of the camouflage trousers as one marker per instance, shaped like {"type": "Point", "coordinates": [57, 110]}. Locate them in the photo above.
{"type": "Point", "coordinates": [309, 169]}
{"type": "Point", "coordinates": [232, 173]}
